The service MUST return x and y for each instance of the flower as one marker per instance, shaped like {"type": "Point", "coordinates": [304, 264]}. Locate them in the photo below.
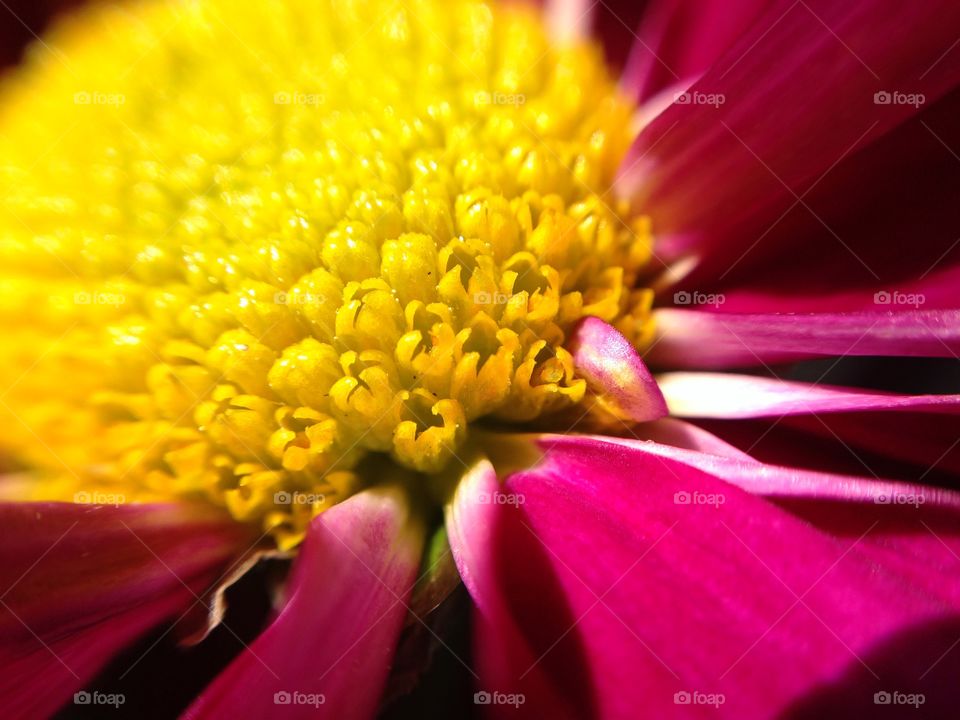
{"type": "Point", "coordinates": [299, 280]}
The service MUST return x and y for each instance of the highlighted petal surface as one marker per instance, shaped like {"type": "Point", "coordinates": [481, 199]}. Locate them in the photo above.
{"type": "Point", "coordinates": [723, 395]}
{"type": "Point", "coordinates": [330, 649]}
{"type": "Point", "coordinates": [615, 373]}
{"type": "Point", "coordinates": [696, 339]}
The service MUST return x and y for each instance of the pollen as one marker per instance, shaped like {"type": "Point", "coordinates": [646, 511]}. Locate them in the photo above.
{"type": "Point", "coordinates": [245, 248]}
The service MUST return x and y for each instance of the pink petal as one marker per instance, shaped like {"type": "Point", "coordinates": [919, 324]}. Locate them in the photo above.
{"type": "Point", "coordinates": [474, 532]}
{"type": "Point", "coordinates": [568, 20]}
{"type": "Point", "coordinates": [614, 371]}
{"type": "Point", "coordinates": [329, 652]}
{"type": "Point", "coordinates": [624, 595]}
{"type": "Point", "coordinates": [938, 290]}
{"type": "Point", "coordinates": [845, 241]}
{"type": "Point", "coordinates": [844, 505]}
{"type": "Point", "coordinates": [903, 445]}
{"type": "Point", "coordinates": [759, 478]}
{"type": "Point", "coordinates": [822, 427]}
{"type": "Point", "coordinates": [698, 339]}
{"type": "Point", "coordinates": [798, 96]}
{"type": "Point", "coordinates": [723, 395]}
{"type": "Point", "coordinates": [669, 431]}
{"type": "Point", "coordinates": [678, 40]}
{"type": "Point", "coordinates": [81, 582]}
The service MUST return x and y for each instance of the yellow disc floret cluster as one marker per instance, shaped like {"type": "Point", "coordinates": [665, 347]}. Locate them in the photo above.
{"type": "Point", "coordinates": [245, 245]}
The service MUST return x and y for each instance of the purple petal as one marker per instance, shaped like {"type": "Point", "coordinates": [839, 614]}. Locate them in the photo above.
{"type": "Point", "coordinates": [629, 577]}
{"type": "Point", "coordinates": [614, 372]}
{"type": "Point", "coordinates": [81, 582]}
{"type": "Point", "coordinates": [697, 339]}
{"type": "Point", "coordinates": [329, 652]}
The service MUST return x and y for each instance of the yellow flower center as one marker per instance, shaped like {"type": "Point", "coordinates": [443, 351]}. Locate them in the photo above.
{"type": "Point", "coordinates": [245, 246]}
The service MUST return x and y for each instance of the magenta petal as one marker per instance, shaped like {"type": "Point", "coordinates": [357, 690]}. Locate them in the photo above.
{"type": "Point", "coordinates": [724, 395]}
{"type": "Point", "coordinates": [830, 428]}
{"type": "Point", "coordinates": [806, 293]}
{"type": "Point", "coordinates": [473, 527]}
{"type": "Point", "coordinates": [844, 505]}
{"type": "Point", "coordinates": [771, 481]}
{"type": "Point", "coordinates": [678, 39]}
{"type": "Point", "coordinates": [614, 371]}
{"type": "Point", "coordinates": [899, 444]}
{"type": "Point", "coordinates": [681, 434]}
{"type": "Point", "coordinates": [697, 339]}
{"type": "Point", "coordinates": [912, 519]}
{"type": "Point", "coordinates": [846, 241]}
{"type": "Point", "coordinates": [798, 96]}
{"type": "Point", "coordinates": [329, 651]}
{"type": "Point", "coordinates": [644, 577]}
{"type": "Point", "coordinates": [81, 582]}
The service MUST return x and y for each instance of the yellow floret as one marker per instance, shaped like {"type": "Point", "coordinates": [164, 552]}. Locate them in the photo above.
{"type": "Point", "coordinates": [245, 245]}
